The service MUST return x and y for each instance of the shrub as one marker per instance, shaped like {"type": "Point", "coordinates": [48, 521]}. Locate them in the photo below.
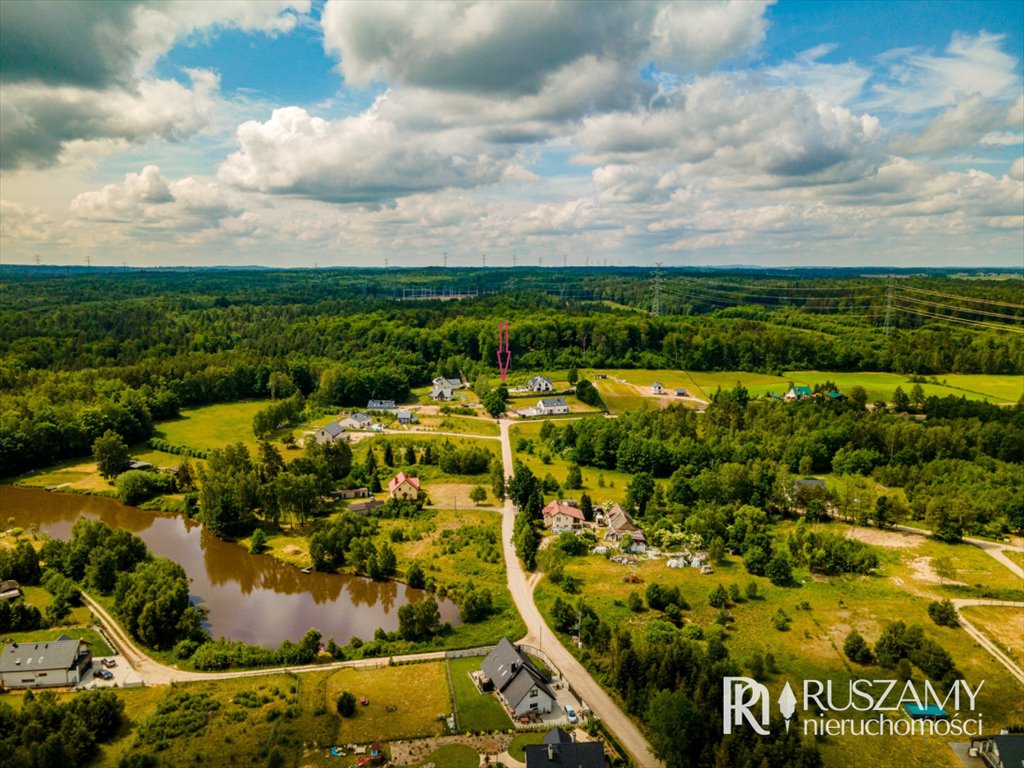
{"type": "Point", "coordinates": [346, 704]}
{"type": "Point", "coordinates": [857, 649]}
{"type": "Point", "coordinates": [943, 613]}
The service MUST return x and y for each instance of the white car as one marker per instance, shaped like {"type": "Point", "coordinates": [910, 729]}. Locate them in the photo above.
{"type": "Point", "coordinates": [571, 714]}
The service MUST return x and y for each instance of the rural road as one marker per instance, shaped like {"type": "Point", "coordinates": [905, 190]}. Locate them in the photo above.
{"type": "Point", "coordinates": [983, 640]}
{"type": "Point", "coordinates": [540, 635]}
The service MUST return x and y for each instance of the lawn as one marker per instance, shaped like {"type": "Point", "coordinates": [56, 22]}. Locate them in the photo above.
{"type": "Point", "coordinates": [1006, 388]}
{"type": "Point", "coordinates": [214, 426]}
{"type": "Point", "coordinates": [1003, 625]}
{"type": "Point", "coordinates": [467, 425]}
{"type": "Point", "coordinates": [450, 756]}
{"type": "Point", "coordinates": [404, 702]}
{"type": "Point", "coordinates": [516, 749]}
{"type": "Point", "coordinates": [1015, 555]}
{"type": "Point", "coordinates": [811, 648]}
{"type": "Point", "coordinates": [477, 711]}
{"type": "Point", "coordinates": [881, 386]}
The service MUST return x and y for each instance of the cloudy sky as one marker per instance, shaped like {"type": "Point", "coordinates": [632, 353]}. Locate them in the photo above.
{"type": "Point", "coordinates": [343, 133]}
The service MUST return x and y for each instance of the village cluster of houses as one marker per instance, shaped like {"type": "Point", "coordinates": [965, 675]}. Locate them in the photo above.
{"type": "Point", "coordinates": [800, 392]}
{"type": "Point", "coordinates": [620, 530]}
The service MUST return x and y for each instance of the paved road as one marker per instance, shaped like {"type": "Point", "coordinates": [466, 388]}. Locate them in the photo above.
{"type": "Point", "coordinates": [541, 636]}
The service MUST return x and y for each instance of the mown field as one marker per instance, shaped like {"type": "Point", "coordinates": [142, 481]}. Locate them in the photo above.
{"type": "Point", "coordinates": [822, 611]}
{"type": "Point", "coordinates": [477, 711]}
{"type": "Point", "coordinates": [1002, 624]}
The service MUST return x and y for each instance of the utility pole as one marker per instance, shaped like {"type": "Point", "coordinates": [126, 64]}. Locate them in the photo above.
{"type": "Point", "coordinates": [483, 261]}
{"type": "Point", "coordinates": [446, 259]}
{"type": "Point", "coordinates": [513, 261]}
{"type": "Point", "coordinates": [565, 260]}
{"type": "Point", "coordinates": [888, 307]}
{"type": "Point", "coordinates": [656, 305]}
{"type": "Point", "coordinates": [88, 260]}
{"type": "Point", "coordinates": [385, 262]}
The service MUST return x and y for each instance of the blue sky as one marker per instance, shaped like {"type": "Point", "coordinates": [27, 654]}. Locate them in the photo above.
{"type": "Point", "coordinates": [292, 133]}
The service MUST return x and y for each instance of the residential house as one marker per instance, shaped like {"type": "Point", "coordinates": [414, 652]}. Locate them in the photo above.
{"type": "Point", "coordinates": [798, 393]}
{"type": "Point", "coordinates": [561, 750]}
{"type": "Point", "coordinates": [331, 433]}
{"type": "Point", "coordinates": [380, 405]}
{"type": "Point", "coordinates": [1001, 751]}
{"type": "Point", "coordinates": [350, 493]}
{"type": "Point", "coordinates": [404, 487]}
{"type": "Point", "coordinates": [406, 417]}
{"type": "Point", "coordinates": [519, 684]}
{"type": "Point", "coordinates": [53, 663]}
{"type": "Point", "coordinates": [560, 517]}
{"type": "Point", "coordinates": [356, 421]}
{"type": "Point", "coordinates": [441, 392]}
{"type": "Point", "coordinates": [540, 384]}
{"type": "Point", "coordinates": [658, 388]}
{"type": "Point", "coordinates": [551, 406]}
{"type": "Point", "coordinates": [9, 589]}
{"type": "Point", "coordinates": [136, 464]}
{"type": "Point", "coordinates": [682, 393]}
{"type": "Point", "coordinates": [624, 531]}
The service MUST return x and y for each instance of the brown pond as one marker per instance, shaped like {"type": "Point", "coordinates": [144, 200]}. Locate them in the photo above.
{"type": "Point", "coordinates": [252, 598]}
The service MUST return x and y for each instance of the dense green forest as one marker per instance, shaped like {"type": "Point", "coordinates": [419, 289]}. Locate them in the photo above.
{"type": "Point", "coordinates": [84, 352]}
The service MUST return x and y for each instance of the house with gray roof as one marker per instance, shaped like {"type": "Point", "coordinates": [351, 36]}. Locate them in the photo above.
{"type": "Point", "coordinates": [552, 405]}
{"type": "Point", "coordinates": [540, 384]}
{"type": "Point", "coordinates": [561, 750]}
{"type": "Point", "coordinates": [519, 684]}
{"type": "Point", "coordinates": [49, 664]}
{"type": "Point", "coordinates": [380, 405]}
{"type": "Point", "coordinates": [356, 421]}
{"type": "Point", "coordinates": [330, 434]}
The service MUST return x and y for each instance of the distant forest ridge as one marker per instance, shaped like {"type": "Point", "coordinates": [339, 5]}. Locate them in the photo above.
{"type": "Point", "coordinates": [87, 351]}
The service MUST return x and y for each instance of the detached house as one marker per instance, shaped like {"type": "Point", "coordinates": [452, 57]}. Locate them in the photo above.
{"type": "Point", "coordinates": [560, 517]}
{"type": "Point", "coordinates": [561, 750]}
{"type": "Point", "coordinates": [356, 421]}
{"type": "Point", "coordinates": [624, 531]}
{"type": "Point", "coordinates": [443, 388]}
{"type": "Point", "coordinates": [380, 405]}
{"type": "Point", "coordinates": [519, 684]}
{"type": "Point", "coordinates": [330, 434]}
{"type": "Point", "coordinates": [658, 388]}
{"type": "Point", "coordinates": [540, 384]}
{"type": "Point", "coordinates": [798, 393]}
{"type": "Point", "coordinates": [55, 663]}
{"type": "Point", "coordinates": [551, 406]}
{"type": "Point", "coordinates": [404, 487]}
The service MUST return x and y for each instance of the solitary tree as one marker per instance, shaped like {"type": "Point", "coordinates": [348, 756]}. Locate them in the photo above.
{"type": "Point", "coordinates": [346, 704]}
{"type": "Point", "coordinates": [478, 494]}
{"type": "Point", "coordinates": [111, 454]}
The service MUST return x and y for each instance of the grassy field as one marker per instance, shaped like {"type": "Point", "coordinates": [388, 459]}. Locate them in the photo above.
{"type": "Point", "coordinates": [404, 702]}
{"type": "Point", "coordinates": [82, 476]}
{"type": "Point", "coordinates": [1003, 625]}
{"type": "Point", "coordinates": [1008, 388]}
{"type": "Point", "coordinates": [450, 756]}
{"type": "Point", "coordinates": [881, 386]}
{"type": "Point", "coordinates": [477, 711]}
{"type": "Point", "coordinates": [811, 648]}
{"type": "Point", "coordinates": [615, 482]}
{"type": "Point", "coordinates": [467, 425]}
{"type": "Point", "coordinates": [1015, 555]}
{"type": "Point", "coordinates": [214, 426]}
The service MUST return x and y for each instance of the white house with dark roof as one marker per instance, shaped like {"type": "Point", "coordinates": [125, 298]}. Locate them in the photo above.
{"type": "Point", "coordinates": [50, 664]}
{"type": "Point", "coordinates": [551, 406]}
{"type": "Point", "coordinates": [519, 684]}
{"type": "Point", "coordinates": [444, 387]}
{"type": "Point", "coordinates": [380, 405]}
{"type": "Point", "coordinates": [330, 433]}
{"type": "Point", "coordinates": [657, 388]}
{"type": "Point", "coordinates": [540, 384]}
{"type": "Point", "coordinates": [356, 421]}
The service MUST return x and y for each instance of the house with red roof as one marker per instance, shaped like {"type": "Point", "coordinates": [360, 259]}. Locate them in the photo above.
{"type": "Point", "coordinates": [404, 487]}
{"type": "Point", "coordinates": [561, 517]}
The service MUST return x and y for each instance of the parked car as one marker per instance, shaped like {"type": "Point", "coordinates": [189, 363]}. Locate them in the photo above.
{"type": "Point", "coordinates": [109, 663]}
{"type": "Point", "coordinates": [104, 674]}
{"type": "Point", "coordinates": [571, 714]}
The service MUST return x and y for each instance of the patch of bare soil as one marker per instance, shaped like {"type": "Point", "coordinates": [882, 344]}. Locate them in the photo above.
{"type": "Point", "coordinates": [923, 571]}
{"type": "Point", "coordinates": [890, 539]}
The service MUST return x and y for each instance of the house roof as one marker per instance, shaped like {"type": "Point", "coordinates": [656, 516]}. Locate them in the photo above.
{"type": "Point", "coordinates": [809, 482]}
{"type": "Point", "coordinates": [552, 402]}
{"type": "Point", "coordinates": [400, 478]}
{"type": "Point", "coordinates": [402, 415]}
{"type": "Point", "coordinates": [801, 390]}
{"type": "Point", "coordinates": [557, 736]}
{"type": "Point", "coordinates": [682, 392]}
{"type": "Point", "coordinates": [333, 429]}
{"type": "Point", "coordinates": [34, 657]}
{"type": "Point", "coordinates": [8, 584]}
{"type": "Point", "coordinates": [1010, 747]}
{"type": "Point", "coordinates": [585, 754]}
{"type": "Point", "coordinates": [555, 507]}
{"type": "Point", "coordinates": [512, 672]}
{"type": "Point", "coordinates": [619, 520]}
{"type": "Point", "coordinates": [540, 380]}
{"type": "Point", "coordinates": [380, 404]}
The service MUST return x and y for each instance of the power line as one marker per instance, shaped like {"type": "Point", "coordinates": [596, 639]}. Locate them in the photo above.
{"type": "Point", "coordinates": [739, 290]}
{"type": "Point", "coordinates": [765, 286]}
{"type": "Point", "coordinates": [856, 310]}
{"type": "Point", "coordinates": [964, 298]}
{"type": "Point", "coordinates": [959, 320]}
{"type": "Point", "coordinates": [1018, 318]}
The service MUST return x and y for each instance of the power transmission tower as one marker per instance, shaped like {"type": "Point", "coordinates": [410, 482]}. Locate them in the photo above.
{"type": "Point", "coordinates": [888, 307]}
{"type": "Point", "coordinates": [656, 304]}
{"type": "Point", "coordinates": [88, 260]}
{"type": "Point", "coordinates": [446, 259]}
{"type": "Point", "coordinates": [513, 261]}
{"type": "Point", "coordinates": [483, 261]}
{"type": "Point", "coordinates": [565, 260]}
